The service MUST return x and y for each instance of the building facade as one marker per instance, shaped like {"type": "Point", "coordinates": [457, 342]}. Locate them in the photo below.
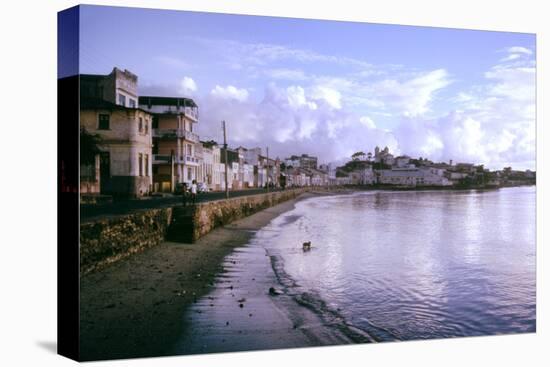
{"type": "Point", "coordinates": [125, 161]}
{"type": "Point", "coordinates": [175, 144]}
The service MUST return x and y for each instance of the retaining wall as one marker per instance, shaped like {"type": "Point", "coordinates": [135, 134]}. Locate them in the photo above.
{"type": "Point", "coordinates": [107, 240]}
{"type": "Point", "coordinates": [191, 223]}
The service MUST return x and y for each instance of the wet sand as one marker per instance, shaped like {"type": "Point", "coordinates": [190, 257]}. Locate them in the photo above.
{"type": "Point", "coordinates": [137, 307]}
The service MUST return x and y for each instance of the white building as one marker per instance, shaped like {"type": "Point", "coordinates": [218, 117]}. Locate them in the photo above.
{"type": "Point", "coordinates": [412, 177]}
{"type": "Point", "coordinates": [363, 176]}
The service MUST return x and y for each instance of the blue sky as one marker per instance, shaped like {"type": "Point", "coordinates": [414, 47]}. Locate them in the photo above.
{"type": "Point", "coordinates": [329, 87]}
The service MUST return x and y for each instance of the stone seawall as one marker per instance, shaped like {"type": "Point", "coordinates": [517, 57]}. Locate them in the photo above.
{"type": "Point", "coordinates": [191, 223]}
{"type": "Point", "coordinates": [108, 240]}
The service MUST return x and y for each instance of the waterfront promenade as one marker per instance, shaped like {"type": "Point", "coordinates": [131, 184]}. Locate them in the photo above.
{"type": "Point", "coordinates": [89, 212]}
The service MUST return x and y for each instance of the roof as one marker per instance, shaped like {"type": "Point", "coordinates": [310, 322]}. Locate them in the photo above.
{"type": "Point", "coordinates": [167, 101]}
{"type": "Point", "coordinates": [101, 104]}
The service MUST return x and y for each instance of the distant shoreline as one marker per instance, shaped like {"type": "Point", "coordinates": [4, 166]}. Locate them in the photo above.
{"type": "Point", "coordinates": [382, 187]}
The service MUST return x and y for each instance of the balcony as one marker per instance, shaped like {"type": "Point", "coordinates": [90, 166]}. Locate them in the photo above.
{"type": "Point", "coordinates": [161, 159]}
{"type": "Point", "coordinates": [175, 133]}
{"type": "Point", "coordinates": [187, 159]}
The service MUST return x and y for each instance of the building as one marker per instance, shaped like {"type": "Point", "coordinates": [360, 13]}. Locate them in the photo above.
{"type": "Point", "coordinates": [119, 87]}
{"type": "Point", "coordinates": [175, 143]}
{"type": "Point", "coordinates": [402, 161]}
{"type": "Point", "coordinates": [330, 169]}
{"type": "Point", "coordinates": [303, 161]}
{"type": "Point", "coordinates": [383, 156]}
{"type": "Point", "coordinates": [412, 177]}
{"type": "Point", "coordinates": [125, 168]}
{"type": "Point", "coordinates": [234, 181]}
{"type": "Point", "coordinates": [364, 176]}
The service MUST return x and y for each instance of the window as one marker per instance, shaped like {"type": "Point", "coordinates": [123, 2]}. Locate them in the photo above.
{"type": "Point", "coordinates": [104, 122]}
{"type": "Point", "coordinates": [132, 102]}
{"type": "Point", "coordinates": [146, 164]}
{"type": "Point", "coordinates": [155, 124]}
{"type": "Point", "coordinates": [121, 99]}
{"type": "Point", "coordinates": [189, 173]}
{"type": "Point", "coordinates": [140, 164]}
{"type": "Point", "coordinates": [146, 126]}
{"type": "Point", "coordinates": [140, 126]}
{"type": "Point", "coordinates": [189, 149]}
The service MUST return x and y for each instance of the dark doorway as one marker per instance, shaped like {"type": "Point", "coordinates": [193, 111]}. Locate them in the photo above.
{"type": "Point", "coordinates": [105, 172]}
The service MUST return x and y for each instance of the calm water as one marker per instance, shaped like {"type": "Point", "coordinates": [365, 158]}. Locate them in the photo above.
{"type": "Point", "coordinates": [383, 266]}
{"type": "Point", "coordinates": [413, 265]}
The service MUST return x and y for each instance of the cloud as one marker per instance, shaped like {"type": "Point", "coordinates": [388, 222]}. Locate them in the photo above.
{"type": "Point", "coordinates": [510, 57]}
{"type": "Point", "coordinates": [187, 86]}
{"type": "Point", "coordinates": [230, 92]}
{"type": "Point", "coordinates": [265, 53]}
{"type": "Point", "coordinates": [330, 96]}
{"type": "Point", "coordinates": [368, 122]}
{"type": "Point", "coordinates": [289, 121]}
{"type": "Point", "coordinates": [410, 97]}
{"type": "Point", "coordinates": [333, 115]}
{"type": "Point", "coordinates": [173, 62]}
{"type": "Point", "coordinates": [492, 123]}
{"type": "Point", "coordinates": [286, 74]}
{"type": "Point", "coordinates": [521, 50]}
{"type": "Point", "coordinates": [297, 98]}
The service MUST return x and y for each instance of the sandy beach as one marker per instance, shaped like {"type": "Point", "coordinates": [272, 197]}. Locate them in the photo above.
{"type": "Point", "coordinates": [135, 308]}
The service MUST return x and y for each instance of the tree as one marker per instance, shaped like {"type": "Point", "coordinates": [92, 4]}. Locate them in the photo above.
{"type": "Point", "coordinates": [89, 147]}
{"type": "Point", "coordinates": [369, 156]}
{"type": "Point", "coordinates": [358, 156]}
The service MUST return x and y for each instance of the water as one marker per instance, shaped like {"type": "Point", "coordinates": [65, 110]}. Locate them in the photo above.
{"type": "Point", "coordinates": [383, 266]}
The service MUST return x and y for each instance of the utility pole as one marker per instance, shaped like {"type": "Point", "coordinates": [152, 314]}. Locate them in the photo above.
{"type": "Point", "coordinates": [267, 172]}
{"type": "Point", "coordinates": [225, 158]}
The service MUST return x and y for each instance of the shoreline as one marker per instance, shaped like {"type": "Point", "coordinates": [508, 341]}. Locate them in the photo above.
{"type": "Point", "coordinates": [134, 308]}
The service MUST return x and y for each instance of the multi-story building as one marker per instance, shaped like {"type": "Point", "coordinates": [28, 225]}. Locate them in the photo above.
{"type": "Point", "coordinates": [108, 108]}
{"type": "Point", "coordinates": [174, 140]}
{"type": "Point", "coordinates": [303, 161]}
{"type": "Point", "coordinates": [126, 145]}
{"type": "Point", "coordinates": [119, 87]}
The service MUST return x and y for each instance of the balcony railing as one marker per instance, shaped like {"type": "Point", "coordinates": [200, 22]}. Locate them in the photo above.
{"type": "Point", "coordinates": [175, 133]}
{"type": "Point", "coordinates": [161, 158]}
{"type": "Point", "coordinates": [187, 159]}
{"type": "Point", "coordinates": [182, 159]}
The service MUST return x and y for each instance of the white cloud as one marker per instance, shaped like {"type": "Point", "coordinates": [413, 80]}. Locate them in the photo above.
{"type": "Point", "coordinates": [230, 92]}
{"type": "Point", "coordinates": [510, 57]}
{"type": "Point", "coordinates": [367, 121]}
{"type": "Point", "coordinates": [329, 95]}
{"type": "Point", "coordinates": [187, 86]}
{"type": "Point", "coordinates": [495, 124]}
{"type": "Point", "coordinates": [521, 50]}
{"type": "Point", "coordinates": [411, 97]}
{"type": "Point", "coordinates": [297, 98]}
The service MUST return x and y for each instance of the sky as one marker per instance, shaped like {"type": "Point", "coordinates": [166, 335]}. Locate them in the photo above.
{"type": "Point", "coordinates": [330, 88]}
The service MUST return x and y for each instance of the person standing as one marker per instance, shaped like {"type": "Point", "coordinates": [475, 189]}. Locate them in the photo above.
{"type": "Point", "coordinates": [194, 191]}
{"type": "Point", "coordinates": [184, 193]}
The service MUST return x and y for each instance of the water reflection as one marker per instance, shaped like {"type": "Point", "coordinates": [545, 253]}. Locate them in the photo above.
{"type": "Point", "coordinates": [418, 264]}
